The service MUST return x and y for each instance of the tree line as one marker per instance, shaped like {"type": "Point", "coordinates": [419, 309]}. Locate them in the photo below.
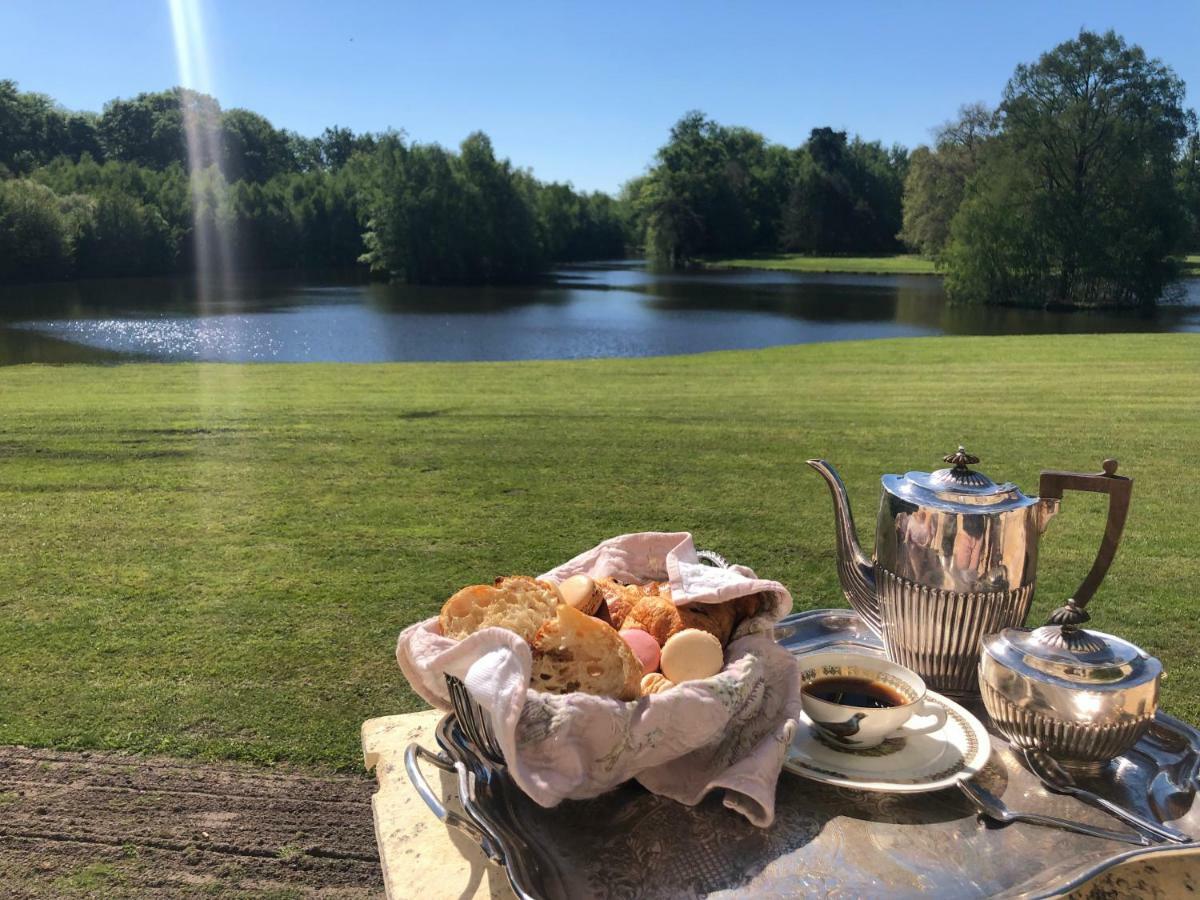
{"type": "Point", "coordinates": [116, 194]}
{"type": "Point", "coordinates": [1078, 188]}
{"type": "Point", "coordinates": [86, 195]}
{"type": "Point", "coordinates": [720, 191]}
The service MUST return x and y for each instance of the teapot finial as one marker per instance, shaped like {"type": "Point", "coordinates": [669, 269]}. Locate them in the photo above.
{"type": "Point", "coordinates": [961, 459]}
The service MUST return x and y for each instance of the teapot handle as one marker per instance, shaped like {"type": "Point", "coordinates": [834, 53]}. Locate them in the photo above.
{"type": "Point", "coordinates": [1119, 488]}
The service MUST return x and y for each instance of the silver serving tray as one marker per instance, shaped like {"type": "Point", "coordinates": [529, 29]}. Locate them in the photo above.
{"type": "Point", "coordinates": [825, 841]}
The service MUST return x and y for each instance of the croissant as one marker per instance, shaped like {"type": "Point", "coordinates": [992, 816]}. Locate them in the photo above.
{"type": "Point", "coordinates": [659, 616]}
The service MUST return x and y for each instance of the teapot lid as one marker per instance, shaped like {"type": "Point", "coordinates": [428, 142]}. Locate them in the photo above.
{"type": "Point", "coordinates": [958, 488]}
{"type": "Point", "coordinates": [1070, 655]}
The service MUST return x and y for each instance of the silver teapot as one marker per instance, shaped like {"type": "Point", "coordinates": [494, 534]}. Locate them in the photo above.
{"type": "Point", "coordinates": [956, 559]}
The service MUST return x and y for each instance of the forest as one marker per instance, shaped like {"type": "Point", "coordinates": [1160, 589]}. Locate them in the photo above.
{"type": "Point", "coordinates": [1077, 189]}
{"type": "Point", "coordinates": [86, 195]}
{"type": "Point", "coordinates": [110, 194]}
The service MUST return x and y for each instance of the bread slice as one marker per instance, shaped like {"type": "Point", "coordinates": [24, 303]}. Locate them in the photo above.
{"type": "Point", "coordinates": [518, 603]}
{"type": "Point", "coordinates": [576, 652]}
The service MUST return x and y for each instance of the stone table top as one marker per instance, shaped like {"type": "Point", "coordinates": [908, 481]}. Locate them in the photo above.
{"type": "Point", "coordinates": [421, 857]}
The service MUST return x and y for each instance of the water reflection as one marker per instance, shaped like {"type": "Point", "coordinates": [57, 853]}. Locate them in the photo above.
{"type": "Point", "coordinates": [457, 300]}
{"type": "Point", "coordinates": [21, 346]}
{"type": "Point", "coordinates": [831, 299]}
{"type": "Point", "coordinates": [616, 309]}
{"type": "Point", "coordinates": [139, 297]}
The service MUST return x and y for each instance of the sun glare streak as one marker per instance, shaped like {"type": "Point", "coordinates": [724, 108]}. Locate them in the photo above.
{"type": "Point", "coordinates": [218, 396]}
{"type": "Point", "coordinates": [195, 30]}
{"type": "Point", "coordinates": [214, 251]}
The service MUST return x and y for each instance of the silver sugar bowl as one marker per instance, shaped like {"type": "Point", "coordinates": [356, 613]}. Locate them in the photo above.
{"type": "Point", "coordinates": [1082, 697]}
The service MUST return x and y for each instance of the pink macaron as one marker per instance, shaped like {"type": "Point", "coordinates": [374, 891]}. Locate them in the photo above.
{"type": "Point", "coordinates": [644, 647]}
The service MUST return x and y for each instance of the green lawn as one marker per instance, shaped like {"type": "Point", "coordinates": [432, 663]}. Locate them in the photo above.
{"type": "Point", "coordinates": [216, 559]}
{"type": "Point", "coordinates": [897, 264]}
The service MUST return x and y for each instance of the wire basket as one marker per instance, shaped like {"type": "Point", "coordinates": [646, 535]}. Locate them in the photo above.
{"type": "Point", "coordinates": [475, 721]}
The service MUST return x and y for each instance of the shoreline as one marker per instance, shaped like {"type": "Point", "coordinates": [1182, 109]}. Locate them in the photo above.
{"type": "Point", "coordinates": [897, 264]}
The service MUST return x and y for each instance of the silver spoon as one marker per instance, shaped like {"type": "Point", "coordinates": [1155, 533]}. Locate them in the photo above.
{"type": "Point", "coordinates": [993, 807]}
{"type": "Point", "coordinates": [1060, 781]}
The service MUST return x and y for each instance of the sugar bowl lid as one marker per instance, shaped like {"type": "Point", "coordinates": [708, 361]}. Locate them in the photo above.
{"type": "Point", "coordinates": [1064, 653]}
{"type": "Point", "coordinates": [958, 488]}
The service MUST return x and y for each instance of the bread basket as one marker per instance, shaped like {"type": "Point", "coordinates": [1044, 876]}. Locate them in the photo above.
{"type": "Point", "coordinates": [475, 721]}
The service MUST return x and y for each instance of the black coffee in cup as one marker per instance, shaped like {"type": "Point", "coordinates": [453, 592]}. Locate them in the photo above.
{"type": "Point", "coordinates": [865, 693]}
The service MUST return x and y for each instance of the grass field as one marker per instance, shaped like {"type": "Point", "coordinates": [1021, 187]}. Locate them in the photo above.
{"type": "Point", "coordinates": [898, 264]}
{"type": "Point", "coordinates": [216, 559]}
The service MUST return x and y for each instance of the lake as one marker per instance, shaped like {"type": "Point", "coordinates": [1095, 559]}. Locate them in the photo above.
{"type": "Point", "coordinates": [597, 310]}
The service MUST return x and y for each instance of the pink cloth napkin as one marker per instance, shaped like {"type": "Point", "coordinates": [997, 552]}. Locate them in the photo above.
{"type": "Point", "coordinates": [730, 731]}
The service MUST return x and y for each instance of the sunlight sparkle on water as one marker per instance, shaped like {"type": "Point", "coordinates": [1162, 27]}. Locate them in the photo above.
{"type": "Point", "coordinates": [183, 338]}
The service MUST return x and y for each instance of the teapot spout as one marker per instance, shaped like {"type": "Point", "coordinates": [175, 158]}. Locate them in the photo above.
{"type": "Point", "coordinates": [855, 569]}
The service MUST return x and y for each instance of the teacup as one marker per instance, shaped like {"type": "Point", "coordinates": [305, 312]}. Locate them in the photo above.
{"type": "Point", "coordinates": [857, 701]}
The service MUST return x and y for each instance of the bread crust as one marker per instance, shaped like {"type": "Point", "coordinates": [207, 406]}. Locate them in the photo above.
{"type": "Point", "coordinates": [577, 652]}
{"type": "Point", "coordinates": [516, 602]}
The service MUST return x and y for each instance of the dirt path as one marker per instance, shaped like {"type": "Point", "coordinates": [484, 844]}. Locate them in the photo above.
{"type": "Point", "coordinates": [108, 825]}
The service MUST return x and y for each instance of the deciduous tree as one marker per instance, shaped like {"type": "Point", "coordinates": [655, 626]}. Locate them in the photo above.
{"type": "Point", "coordinates": [1079, 206]}
{"type": "Point", "coordinates": [937, 178]}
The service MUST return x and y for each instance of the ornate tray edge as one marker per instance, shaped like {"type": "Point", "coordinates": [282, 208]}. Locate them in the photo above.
{"type": "Point", "coordinates": [1108, 865]}
{"type": "Point", "coordinates": [518, 868]}
{"type": "Point", "coordinates": [868, 641]}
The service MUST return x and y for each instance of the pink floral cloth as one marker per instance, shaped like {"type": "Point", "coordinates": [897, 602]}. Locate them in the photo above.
{"type": "Point", "coordinates": [730, 731]}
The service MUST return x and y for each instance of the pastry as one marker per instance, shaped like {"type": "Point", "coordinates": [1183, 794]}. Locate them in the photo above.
{"type": "Point", "coordinates": [656, 615]}
{"type": "Point", "coordinates": [659, 616]}
{"type": "Point", "coordinates": [717, 619]}
{"type": "Point", "coordinates": [576, 652]}
{"type": "Point", "coordinates": [620, 598]}
{"type": "Point", "coordinates": [644, 647]}
{"type": "Point", "coordinates": [518, 603]}
{"type": "Point", "coordinates": [655, 683]}
{"type": "Point", "coordinates": [748, 606]}
{"type": "Point", "coordinates": [692, 654]}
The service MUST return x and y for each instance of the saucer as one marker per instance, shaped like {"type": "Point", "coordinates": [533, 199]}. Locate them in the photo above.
{"type": "Point", "coordinates": [901, 765]}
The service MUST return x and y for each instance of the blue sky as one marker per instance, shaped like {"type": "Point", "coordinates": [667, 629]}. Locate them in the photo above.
{"type": "Point", "coordinates": [580, 92]}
